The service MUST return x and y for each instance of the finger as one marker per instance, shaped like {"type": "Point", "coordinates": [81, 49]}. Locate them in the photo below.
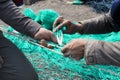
{"type": "Point", "coordinates": [43, 42]}
{"type": "Point", "coordinates": [58, 21]}
{"type": "Point", "coordinates": [61, 26]}
{"type": "Point", "coordinates": [54, 39]}
{"type": "Point", "coordinates": [67, 54]}
{"type": "Point", "coordinates": [76, 56]}
{"type": "Point", "coordinates": [65, 49]}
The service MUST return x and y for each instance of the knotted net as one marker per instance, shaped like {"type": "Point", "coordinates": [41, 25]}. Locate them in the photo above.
{"type": "Point", "coordinates": [51, 65]}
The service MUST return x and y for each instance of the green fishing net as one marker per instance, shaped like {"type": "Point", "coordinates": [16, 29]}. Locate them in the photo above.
{"type": "Point", "coordinates": [45, 17]}
{"type": "Point", "coordinates": [51, 65]}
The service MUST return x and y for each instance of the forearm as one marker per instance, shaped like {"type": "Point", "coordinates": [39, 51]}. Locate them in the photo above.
{"type": "Point", "coordinates": [13, 17]}
{"type": "Point", "coordinates": [98, 25]}
{"type": "Point", "coordinates": [100, 52]}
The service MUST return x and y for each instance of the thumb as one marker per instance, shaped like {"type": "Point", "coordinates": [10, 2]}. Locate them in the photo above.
{"type": "Point", "coordinates": [58, 21]}
{"type": "Point", "coordinates": [54, 39]}
{"type": "Point", "coordinates": [67, 54]}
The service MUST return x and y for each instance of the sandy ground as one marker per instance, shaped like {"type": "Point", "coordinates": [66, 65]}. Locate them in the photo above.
{"type": "Point", "coordinates": [71, 12]}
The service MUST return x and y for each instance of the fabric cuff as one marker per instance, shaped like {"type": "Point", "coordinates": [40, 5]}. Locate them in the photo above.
{"type": "Point", "coordinates": [90, 52]}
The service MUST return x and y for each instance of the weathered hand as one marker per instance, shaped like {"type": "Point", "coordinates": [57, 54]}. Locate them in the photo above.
{"type": "Point", "coordinates": [71, 27]}
{"type": "Point", "coordinates": [45, 34]}
{"type": "Point", "coordinates": [75, 49]}
{"type": "Point", "coordinates": [45, 44]}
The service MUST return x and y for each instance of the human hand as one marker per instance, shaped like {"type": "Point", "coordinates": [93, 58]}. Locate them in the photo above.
{"type": "Point", "coordinates": [71, 27]}
{"type": "Point", "coordinates": [75, 49]}
{"type": "Point", "coordinates": [45, 44]}
{"type": "Point", "coordinates": [45, 34]}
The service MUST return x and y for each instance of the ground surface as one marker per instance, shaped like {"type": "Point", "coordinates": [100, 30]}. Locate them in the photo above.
{"type": "Point", "coordinates": [72, 12]}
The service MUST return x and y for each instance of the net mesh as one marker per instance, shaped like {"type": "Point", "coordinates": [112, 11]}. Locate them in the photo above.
{"type": "Point", "coordinates": [53, 66]}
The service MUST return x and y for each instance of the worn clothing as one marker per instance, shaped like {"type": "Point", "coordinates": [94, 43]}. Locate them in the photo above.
{"type": "Point", "coordinates": [18, 2]}
{"type": "Point", "coordinates": [99, 25]}
{"type": "Point", "coordinates": [16, 66]}
{"type": "Point", "coordinates": [101, 52]}
{"type": "Point", "coordinates": [1, 62]}
{"type": "Point", "coordinates": [2, 0]}
{"type": "Point", "coordinates": [115, 11]}
{"type": "Point", "coordinates": [10, 14]}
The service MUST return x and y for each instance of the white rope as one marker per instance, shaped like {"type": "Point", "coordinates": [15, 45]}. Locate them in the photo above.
{"type": "Point", "coordinates": [14, 33]}
{"type": "Point", "coordinates": [32, 41]}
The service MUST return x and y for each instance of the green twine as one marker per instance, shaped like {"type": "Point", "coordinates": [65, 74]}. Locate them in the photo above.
{"type": "Point", "coordinates": [45, 17]}
{"type": "Point", "coordinates": [52, 66]}
{"type": "Point", "coordinates": [77, 2]}
{"type": "Point", "coordinates": [30, 13]}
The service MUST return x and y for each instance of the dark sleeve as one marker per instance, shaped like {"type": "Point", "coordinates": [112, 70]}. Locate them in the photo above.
{"type": "Point", "coordinates": [98, 25]}
{"type": "Point", "coordinates": [115, 11]}
{"type": "Point", "coordinates": [2, 0]}
{"type": "Point", "coordinates": [101, 52]}
{"type": "Point", "coordinates": [11, 15]}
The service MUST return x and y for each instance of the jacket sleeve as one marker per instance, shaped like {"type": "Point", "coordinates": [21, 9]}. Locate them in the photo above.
{"type": "Point", "coordinates": [2, 0]}
{"type": "Point", "coordinates": [1, 62]}
{"type": "Point", "coordinates": [11, 15]}
{"type": "Point", "coordinates": [115, 11]}
{"type": "Point", "coordinates": [101, 52]}
{"type": "Point", "coordinates": [99, 25]}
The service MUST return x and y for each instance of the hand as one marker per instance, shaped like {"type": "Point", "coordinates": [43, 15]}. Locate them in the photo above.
{"type": "Point", "coordinates": [45, 44]}
{"type": "Point", "coordinates": [75, 49]}
{"type": "Point", "coordinates": [45, 34]}
{"type": "Point", "coordinates": [71, 27]}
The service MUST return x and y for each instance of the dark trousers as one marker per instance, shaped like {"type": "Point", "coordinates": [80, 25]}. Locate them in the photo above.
{"type": "Point", "coordinates": [16, 66]}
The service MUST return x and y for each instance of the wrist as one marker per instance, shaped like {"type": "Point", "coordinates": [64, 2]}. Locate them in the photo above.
{"type": "Point", "coordinates": [79, 27]}
{"type": "Point", "coordinates": [37, 34]}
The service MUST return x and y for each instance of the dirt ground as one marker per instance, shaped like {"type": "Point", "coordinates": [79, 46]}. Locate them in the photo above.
{"type": "Point", "coordinates": [71, 12]}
